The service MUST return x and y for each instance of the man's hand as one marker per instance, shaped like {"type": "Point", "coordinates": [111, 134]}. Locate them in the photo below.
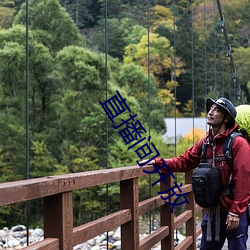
{"type": "Point", "coordinates": [151, 162]}
{"type": "Point", "coordinates": [232, 221]}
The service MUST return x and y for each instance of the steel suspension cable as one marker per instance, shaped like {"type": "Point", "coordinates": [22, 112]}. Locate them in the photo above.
{"type": "Point", "coordinates": [215, 52]}
{"type": "Point", "coordinates": [205, 50]}
{"type": "Point", "coordinates": [106, 83]}
{"type": "Point", "coordinates": [192, 77]}
{"type": "Point", "coordinates": [175, 95]}
{"type": "Point", "coordinates": [229, 54]}
{"type": "Point", "coordinates": [222, 68]}
{"type": "Point", "coordinates": [149, 121]}
{"type": "Point", "coordinates": [174, 75]}
{"type": "Point", "coordinates": [27, 207]}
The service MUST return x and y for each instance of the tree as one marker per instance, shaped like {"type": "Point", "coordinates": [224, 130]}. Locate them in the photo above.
{"type": "Point", "coordinates": [6, 17]}
{"type": "Point", "coordinates": [242, 64]}
{"type": "Point", "coordinates": [84, 13]}
{"type": "Point", "coordinates": [161, 57]}
{"type": "Point", "coordinates": [135, 81]}
{"type": "Point", "coordinates": [53, 25]}
{"type": "Point", "coordinates": [161, 16]}
{"type": "Point", "coordinates": [40, 60]}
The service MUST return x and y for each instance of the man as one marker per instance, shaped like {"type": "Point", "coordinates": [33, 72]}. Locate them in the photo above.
{"type": "Point", "coordinates": [221, 115]}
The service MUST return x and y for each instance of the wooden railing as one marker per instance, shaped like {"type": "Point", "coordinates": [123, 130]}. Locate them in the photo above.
{"type": "Point", "coordinates": [59, 232]}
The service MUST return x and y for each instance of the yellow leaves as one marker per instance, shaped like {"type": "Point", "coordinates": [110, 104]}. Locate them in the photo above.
{"type": "Point", "coordinates": [159, 53]}
{"type": "Point", "coordinates": [203, 114]}
{"type": "Point", "coordinates": [189, 139]}
{"type": "Point", "coordinates": [188, 109]}
{"type": "Point", "coordinates": [166, 96]}
{"type": "Point", "coordinates": [6, 17]}
{"type": "Point", "coordinates": [171, 85]}
{"type": "Point", "coordinates": [161, 16]}
{"type": "Point", "coordinates": [195, 134]}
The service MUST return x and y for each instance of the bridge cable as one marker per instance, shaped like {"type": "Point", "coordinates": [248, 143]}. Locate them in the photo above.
{"type": "Point", "coordinates": [229, 54]}
{"type": "Point", "coordinates": [222, 68]}
{"type": "Point", "coordinates": [149, 95]}
{"type": "Point", "coordinates": [27, 206]}
{"type": "Point", "coordinates": [106, 82]}
{"type": "Point", "coordinates": [192, 73]}
{"type": "Point", "coordinates": [215, 52]}
{"type": "Point", "coordinates": [205, 50]}
{"type": "Point", "coordinates": [175, 95]}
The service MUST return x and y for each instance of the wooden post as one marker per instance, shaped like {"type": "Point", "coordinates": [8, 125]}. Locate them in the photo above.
{"type": "Point", "coordinates": [129, 197]}
{"type": "Point", "coordinates": [58, 219]}
{"type": "Point", "coordinates": [191, 223]}
{"type": "Point", "coordinates": [167, 218]}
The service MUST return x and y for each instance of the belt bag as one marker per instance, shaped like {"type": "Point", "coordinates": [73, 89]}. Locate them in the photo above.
{"type": "Point", "coordinates": [206, 185]}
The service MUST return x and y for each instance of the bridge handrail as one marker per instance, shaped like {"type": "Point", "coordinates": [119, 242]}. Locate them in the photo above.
{"type": "Point", "coordinates": [56, 192]}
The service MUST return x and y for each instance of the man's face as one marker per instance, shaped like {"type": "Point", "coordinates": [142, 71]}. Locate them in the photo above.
{"type": "Point", "coordinates": [215, 116]}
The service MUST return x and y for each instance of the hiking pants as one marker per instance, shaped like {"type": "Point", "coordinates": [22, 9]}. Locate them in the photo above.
{"type": "Point", "coordinates": [237, 238]}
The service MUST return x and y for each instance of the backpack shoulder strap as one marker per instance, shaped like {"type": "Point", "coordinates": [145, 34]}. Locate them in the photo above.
{"type": "Point", "coordinates": [203, 152]}
{"type": "Point", "coordinates": [227, 148]}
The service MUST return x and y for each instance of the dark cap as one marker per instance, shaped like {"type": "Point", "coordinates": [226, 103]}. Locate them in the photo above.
{"type": "Point", "coordinates": [223, 103]}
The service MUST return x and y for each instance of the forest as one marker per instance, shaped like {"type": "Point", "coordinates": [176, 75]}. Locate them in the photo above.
{"type": "Point", "coordinates": [164, 57]}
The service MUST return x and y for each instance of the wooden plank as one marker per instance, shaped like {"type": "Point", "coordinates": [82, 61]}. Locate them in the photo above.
{"type": "Point", "coordinates": [150, 204]}
{"type": "Point", "coordinates": [198, 231]}
{"type": "Point", "coordinates": [154, 238]}
{"type": "Point", "coordinates": [46, 244]}
{"type": "Point", "coordinates": [191, 223]}
{"type": "Point", "coordinates": [58, 219]}
{"type": "Point", "coordinates": [185, 244]}
{"type": "Point", "coordinates": [155, 202]}
{"type": "Point", "coordinates": [24, 190]}
{"type": "Point", "coordinates": [198, 209]}
{"type": "Point", "coordinates": [129, 196]}
{"type": "Point", "coordinates": [99, 177]}
{"type": "Point", "coordinates": [182, 218]}
{"type": "Point", "coordinates": [90, 230]}
{"type": "Point", "coordinates": [167, 218]}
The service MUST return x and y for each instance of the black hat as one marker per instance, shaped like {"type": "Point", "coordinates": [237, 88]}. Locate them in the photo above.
{"type": "Point", "coordinates": [223, 103]}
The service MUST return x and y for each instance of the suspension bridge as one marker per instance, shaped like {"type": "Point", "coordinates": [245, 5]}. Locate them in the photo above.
{"type": "Point", "coordinates": [56, 192]}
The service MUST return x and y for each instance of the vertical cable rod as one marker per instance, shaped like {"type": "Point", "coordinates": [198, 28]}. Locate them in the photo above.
{"type": "Point", "coordinates": [27, 207]}
{"type": "Point", "coordinates": [175, 95]}
{"type": "Point", "coordinates": [205, 50]}
{"type": "Point", "coordinates": [236, 83]}
{"type": "Point", "coordinates": [77, 13]}
{"type": "Point", "coordinates": [192, 24]}
{"type": "Point", "coordinates": [106, 82]}
{"type": "Point", "coordinates": [215, 52]}
{"type": "Point", "coordinates": [149, 122]}
{"type": "Point", "coordinates": [174, 73]}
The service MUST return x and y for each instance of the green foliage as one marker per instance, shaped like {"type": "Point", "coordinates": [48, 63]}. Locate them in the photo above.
{"type": "Point", "coordinates": [42, 162]}
{"type": "Point", "coordinates": [84, 13]}
{"type": "Point", "coordinates": [53, 25]}
{"type": "Point", "coordinates": [137, 84]}
{"type": "Point", "coordinates": [6, 17]}
{"type": "Point", "coordinates": [242, 63]}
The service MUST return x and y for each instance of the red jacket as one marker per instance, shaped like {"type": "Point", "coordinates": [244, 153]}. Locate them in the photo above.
{"type": "Point", "coordinates": [241, 167]}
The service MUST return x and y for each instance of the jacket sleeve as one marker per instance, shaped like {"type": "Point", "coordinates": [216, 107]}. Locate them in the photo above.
{"type": "Point", "coordinates": [241, 175]}
{"type": "Point", "coordinates": [185, 162]}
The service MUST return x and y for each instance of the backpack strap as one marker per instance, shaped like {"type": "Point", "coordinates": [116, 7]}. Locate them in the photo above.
{"type": "Point", "coordinates": [227, 148]}
{"type": "Point", "coordinates": [203, 152]}
{"type": "Point", "coordinates": [227, 151]}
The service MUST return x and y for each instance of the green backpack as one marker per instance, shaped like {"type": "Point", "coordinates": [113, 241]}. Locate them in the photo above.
{"type": "Point", "coordinates": [243, 120]}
